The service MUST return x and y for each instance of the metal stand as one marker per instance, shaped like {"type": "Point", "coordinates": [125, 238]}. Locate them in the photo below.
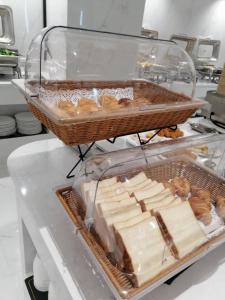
{"type": "Point", "coordinates": [81, 158]}
{"type": "Point", "coordinates": [112, 141]}
{"type": "Point", "coordinates": [217, 123]}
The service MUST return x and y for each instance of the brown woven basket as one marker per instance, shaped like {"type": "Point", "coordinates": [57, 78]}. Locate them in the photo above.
{"type": "Point", "coordinates": [110, 124]}
{"type": "Point", "coordinates": [163, 172]}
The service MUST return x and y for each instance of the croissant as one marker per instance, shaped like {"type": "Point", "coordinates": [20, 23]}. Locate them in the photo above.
{"type": "Point", "coordinates": [181, 186]}
{"type": "Point", "coordinates": [201, 210]}
{"type": "Point", "coordinates": [220, 201]}
{"type": "Point", "coordinates": [220, 206]}
{"type": "Point", "coordinates": [170, 186]}
{"type": "Point", "coordinates": [201, 193]}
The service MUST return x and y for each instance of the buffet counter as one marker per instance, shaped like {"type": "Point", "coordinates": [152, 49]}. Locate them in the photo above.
{"type": "Point", "coordinates": [37, 170]}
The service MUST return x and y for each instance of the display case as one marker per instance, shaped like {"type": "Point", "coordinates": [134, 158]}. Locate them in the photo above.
{"type": "Point", "coordinates": [88, 85]}
{"type": "Point", "coordinates": [145, 214]}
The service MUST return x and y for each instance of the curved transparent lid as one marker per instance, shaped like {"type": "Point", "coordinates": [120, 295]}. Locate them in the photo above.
{"type": "Point", "coordinates": [62, 53]}
{"type": "Point", "coordinates": [144, 206]}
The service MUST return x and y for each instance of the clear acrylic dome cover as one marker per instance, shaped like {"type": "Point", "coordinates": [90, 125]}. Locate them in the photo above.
{"type": "Point", "coordinates": [153, 211]}
{"type": "Point", "coordinates": [62, 53]}
{"type": "Point", "coordinates": [78, 72]}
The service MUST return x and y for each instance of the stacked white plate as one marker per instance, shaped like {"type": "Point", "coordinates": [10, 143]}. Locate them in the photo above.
{"type": "Point", "coordinates": [7, 126]}
{"type": "Point", "coordinates": [27, 124]}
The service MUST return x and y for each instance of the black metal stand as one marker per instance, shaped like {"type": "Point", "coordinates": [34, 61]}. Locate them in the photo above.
{"type": "Point", "coordinates": [81, 158]}
{"type": "Point", "coordinates": [112, 141]}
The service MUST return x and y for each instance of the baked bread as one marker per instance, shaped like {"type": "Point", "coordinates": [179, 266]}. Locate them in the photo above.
{"type": "Point", "coordinates": [182, 186]}
{"type": "Point", "coordinates": [203, 194]}
{"type": "Point", "coordinates": [86, 106]}
{"type": "Point", "coordinates": [144, 250]}
{"type": "Point", "coordinates": [201, 209]}
{"type": "Point", "coordinates": [182, 227]}
{"type": "Point", "coordinates": [66, 108]}
{"type": "Point", "coordinates": [148, 206]}
{"type": "Point", "coordinates": [149, 192]}
{"type": "Point", "coordinates": [109, 102]}
{"type": "Point", "coordinates": [220, 206]}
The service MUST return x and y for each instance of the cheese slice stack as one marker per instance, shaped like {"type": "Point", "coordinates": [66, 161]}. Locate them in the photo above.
{"type": "Point", "coordinates": [146, 249]}
{"type": "Point", "coordinates": [183, 228]}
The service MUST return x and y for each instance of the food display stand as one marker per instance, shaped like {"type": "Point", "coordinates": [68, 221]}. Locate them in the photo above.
{"type": "Point", "coordinates": [100, 86]}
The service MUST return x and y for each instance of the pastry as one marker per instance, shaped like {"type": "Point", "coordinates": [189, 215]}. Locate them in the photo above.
{"type": "Point", "coordinates": [201, 193]}
{"type": "Point", "coordinates": [142, 100]}
{"type": "Point", "coordinates": [220, 206]}
{"type": "Point", "coordinates": [66, 108]}
{"type": "Point", "coordinates": [125, 102]}
{"type": "Point", "coordinates": [201, 210]}
{"type": "Point", "coordinates": [182, 186]}
{"type": "Point", "coordinates": [220, 201]}
{"type": "Point", "coordinates": [86, 105]}
{"type": "Point", "coordinates": [170, 186]}
{"type": "Point", "coordinates": [170, 133]}
{"type": "Point", "coordinates": [109, 102]}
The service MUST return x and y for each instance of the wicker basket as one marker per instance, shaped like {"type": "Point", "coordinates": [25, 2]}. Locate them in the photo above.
{"type": "Point", "coordinates": [111, 125]}
{"type": "Point", "coordinates": [162, 172]}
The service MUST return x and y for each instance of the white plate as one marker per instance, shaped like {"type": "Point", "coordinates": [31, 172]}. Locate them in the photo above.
{"type": "Point", "coordinates": [8, 133]}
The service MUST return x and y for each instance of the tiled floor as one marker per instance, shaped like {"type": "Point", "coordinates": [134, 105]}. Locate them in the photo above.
{"type": "Point", "coordinates": [10, 261]}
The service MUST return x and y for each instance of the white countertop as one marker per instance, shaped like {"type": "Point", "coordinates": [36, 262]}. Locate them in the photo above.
{"type": "Point", "coordinates": [37, 169]}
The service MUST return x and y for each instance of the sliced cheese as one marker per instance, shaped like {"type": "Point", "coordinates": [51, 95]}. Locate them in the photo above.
{"type": "Point", "coordinates": [141, 195]}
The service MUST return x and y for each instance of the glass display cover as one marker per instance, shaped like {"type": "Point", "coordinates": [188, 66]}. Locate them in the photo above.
{"type": "Point", "coordinates": [81, 74]}
{"type": "Point", "coordinates": [152, 212]}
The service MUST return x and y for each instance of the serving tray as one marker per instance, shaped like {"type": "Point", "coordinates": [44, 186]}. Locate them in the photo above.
{"type": "Point", "coordinates": [119, 283]}
{"type": "Point", "coordinates": [166, 109]}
